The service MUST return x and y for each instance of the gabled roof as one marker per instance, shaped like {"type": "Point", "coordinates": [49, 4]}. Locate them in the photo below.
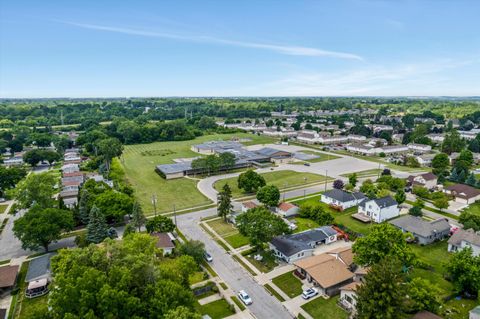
{"type": "Point", "coordinates": [463, 191]}
{"type": "Point", "coordinates": [421, 227]}
{"type": "Point", "coordinates": [8, 275]}
{"type": "Point", "coordinates": [292, 244]}
{"type": "Point", "coordinates": [343, 196]}
{"type": "Point", "coordinates": [383, 202]}
{"type": "Point", "coordinates": [163, 240]}
{"type": "Point", "coordinates": [39, 267]}
{"type": "Point", "coordinates": [249, 204]}
{"type": "Point", "coordinates": [325, 269]}
{"type": "Point", "coordinates": [351, 286]}
{"type": "Point", "coordinates": [284, 206]}
{"type": "Point", "coordinates": [468, 235]}
{"type": "Point", "coordinates": [289, 247]}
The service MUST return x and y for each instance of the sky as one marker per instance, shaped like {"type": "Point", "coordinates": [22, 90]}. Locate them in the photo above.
{"type": "Point", "coordinates": [239, 48]}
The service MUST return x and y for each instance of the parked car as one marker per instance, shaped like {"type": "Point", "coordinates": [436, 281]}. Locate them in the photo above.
{"type": "Point", "coordinates": [207, 257]}
{"type": "Point", "coordinates": [2, 200]}
{"type": "Point", "coordinates": [309, 293]}
{"type": "Point", "coordinates": [306, 164]}
{"type": "Point", "coordinates": [244, 297]}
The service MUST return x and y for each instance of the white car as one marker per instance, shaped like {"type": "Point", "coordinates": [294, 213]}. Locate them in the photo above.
{"type": "Point", "coordinates": [309, 293]}
{"type": "Point", "coordinates": [244, 297]}
{"type": "Point", "coordinates": [207, 257]}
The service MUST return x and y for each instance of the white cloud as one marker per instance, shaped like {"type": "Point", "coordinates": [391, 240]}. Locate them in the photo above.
{"type": "Point", "coordinates": [281, 49]}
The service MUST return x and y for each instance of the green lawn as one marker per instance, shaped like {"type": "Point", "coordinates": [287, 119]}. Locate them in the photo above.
{"type": "Point", "coordinates": [216, 310]}
{"type": "Point", "coordinates": [267, 264]}
{"type": "Point", "coordinates": [3, 208]}
{"type": "Point", "coordinates": [139, 162]}
{"type": "Point", "coordinates": [289, 284]}
{"type": "Point", "coordinates": [304, 224]}
{"type": "Point", "coordinates": [320, 308]}
{"type": "Point", "coordinates": [473, 208]}
{"type": "Point", "coordinates": [228, 232]}
{"type": "Point", "coordinates": [367, 173]}
{"type": "Point", "coordinates": [237, 240]}
{"type": "Point", "coordinates": [196, 277]}
{"type": "Point", "coordinates": [278, 178]}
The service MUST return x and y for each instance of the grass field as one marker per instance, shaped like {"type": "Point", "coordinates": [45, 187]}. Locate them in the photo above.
{"type": "Point", "coordinates": [320, 308]}
{"type": "Point", "coordinates": [139, 162]}
{"type": "Point", "coordinates": [216, 310]}
{"type": "Point", "coordinates": [278, 178]}
{"type": "Point", "coordinates": [228, 232]}
{"type": "Point", "coordinates": [289, 284]}
{"type": "Point", "coordinates": [368, 173]}
{"type": "Point", "coordinates": [473, 209]}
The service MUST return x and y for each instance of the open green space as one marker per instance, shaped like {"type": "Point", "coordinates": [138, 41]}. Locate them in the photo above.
{"type": "Point", "coordinates": [3, 208]}
{"type": "Point", "coordinates": [304, 224]}
{"type": "Point", "coordinates": [139, 163]}
{"type": "Point", "coordinates": [367, 173]}
{"type": "Point", "coordinates": [217, 309]}
{"type": "Point", "coordinates": [237, 240]}
{"type": "Point", "coordinates": [473, 209]}
{"type": "Point", "coordinates": [289, 284]}
{"type": "Point", "coordinates": [281, 179]}
{"type": "Point", "coordinates": [228, 232]}
{"type": "Point", "coordinates": [196, 277]}
{"type": "Point", "coordinates": [320, 308]}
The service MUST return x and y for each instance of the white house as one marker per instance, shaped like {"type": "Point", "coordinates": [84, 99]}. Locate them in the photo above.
{"type": "Point", "coordinates": [332, 139]}
{"type": "Point", "coordinates": [378, 209]}
{"type": "Point", "coordinates": [361, 149]}
{"type": "Point", "coordinates": [392, 149]}
{"type": "Point", "coordinates": [348, 296]}
{"type": "Point", "coordinates": [425, 159]}
{"type": "Point", "coordinates": [422, 148]}
{"type": "Point", "coordinates": [465, 238]}
{"type": "Point", "coordinates": [308, 137]}
{"type": "Point", "coordinates": [14, 161]}
{"type": "Point", "coordinates": [342, 199]}
{"type": "Point", "coordinates": [248, 205]}
{"type": "Point", "coordinates": [356, 138]}
{"type": "Point", "coordinates": [428, 180]}
{"type": "Point", "coordinates": [463, 194]}
{"type": "Point", "coordinates": [287, 209]}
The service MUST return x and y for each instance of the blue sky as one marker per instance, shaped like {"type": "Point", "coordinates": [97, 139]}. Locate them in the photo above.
{"type": "Point", "coordinates": [239, 48]}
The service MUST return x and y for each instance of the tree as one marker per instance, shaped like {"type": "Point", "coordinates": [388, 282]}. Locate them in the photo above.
{"type": "Point", "coordinates": [441, 203]}
{"type": "Point", "coordinates": [382, 241]}
{"type": "Point", "coordinates": [83, 206]}
{"type": "Point", "coordinates": [464, 271]}
{"type": "Point", "coordinates": [97, 229]}
{"type": "Point", "coordinates": [338, 184]}
{"type": "Point", "coordinates": [352, 179]}
{"type": "Point", "coordinates": [224, 202]}
{"type": "Point", "coordinates": [415, 211]}
{"type": "Point", "coordinates": [182, 312]}
{"type": "Point", "coordinates": [260, 226]}
{"type": "Point", "coordinates": [114, 205]}
{"type": "Point", "coordinates": [40, 227]}
{"type": "Point", "coordinates": [400, 196]}
{"type": "Point", "coordinates": [109, 148]}
{"type": "Point", "coordinates": [453, 142]}
{"type": "Point", "coordinates": [422, 295]}
{"type": "Point", "coordinates": [382, 294]}
{"type": "Point", "coordinates": [37, 189]}
{"type": "Point", "coordinates": [33, 157]}
{"type": "Point", "coordinates": [227, 160]}
{"type": "Point", "coordinates": [9, 177]}
{"type": "Point", "coordinates": [316, 213]}
{"type": "Point", "coordinates": [193, 248]}
{"type": "Point", "coordinates": [440, 163]}
{"type": "Point", "coordinates": [160, 224]}
{"type": "Point", "coordinates": [250, 181]}
{"type": "Point", "coordinates": [470, 220]}
{"type": "Point", "coordinates": [120, 279]}
{"type": "Point", "coordinates": [412, 162]}
{"type": "Point", "coordinates": [138, 218]}
{"type": "Point", "coordinates": [206, 123]}
{"type": "Point", "coordinates": [269, 195]}
{"type": "Point", "coordinates": [471, 180]}
{"type": "Point", "coordinates": [421, 191]}
{"type": "Point", "coordinates": [386, 172]}
{"type": "Point", "coordinates": [212, 163]}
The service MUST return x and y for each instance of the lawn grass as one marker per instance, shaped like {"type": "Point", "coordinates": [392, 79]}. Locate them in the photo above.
{"type": "Point", "coordinates": [139, 162]}
{"type": "Point", "coordinates": [196, 277]}
{"type": "Point", "coordinates": [459, 309]}
{"type": "Point", "coordinates": [237, 240]}
{"type": "Point", "coordinates": [228, 232]}
{"type": "Point", "coordinates": [274, 293]}
{"type": "Point", "coordinates": [3, 208]}
{"type": "Point", "coordinates": [304, 224]}
{"type": "Point", "coordinates": [265, 265]}
{"type": "Point", "coordinates": [289, 284]}
{"type": "Point", "coordinates": [244, 265]}
{"type": "Point", "coordinates": [473, 209]}
{"type": "Point", "coordinates": [320, 308]}
{"type": "Point", "coordinates": [367, 173]}
{"type": "Point", "coordinates": [216, 310]}
{"type": "Point", "coordinates": [434, 210]}
{"type": "Point", "coordinates": [280, 179]}
{"type": "Point", "coordinates": [239, 304]}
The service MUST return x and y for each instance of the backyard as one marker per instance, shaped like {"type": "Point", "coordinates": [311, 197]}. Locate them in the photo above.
{"type": "Point", "coordinates": [281, 179]}
{"type": "Point", "coordinates": [289, 284]}
{"type": "Point", "coordinates": [320, 308]}
{"type": "Point", "coordinates": [139, 162]}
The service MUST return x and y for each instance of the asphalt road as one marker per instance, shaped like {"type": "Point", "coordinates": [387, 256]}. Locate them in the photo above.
{"type": "Point", "coordinates": [235, 276]}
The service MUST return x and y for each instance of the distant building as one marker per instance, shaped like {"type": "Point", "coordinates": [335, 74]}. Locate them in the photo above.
{"type": "Point", "coordinates": [462, 239]}
{"type": "Point", "coordinates": [427, 180]}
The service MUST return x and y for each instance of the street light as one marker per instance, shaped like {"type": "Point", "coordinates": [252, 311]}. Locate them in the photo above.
{"type": "Point", "coordinates": [154, 202]}
{"type": "Point", "coordinates": [326, 174]}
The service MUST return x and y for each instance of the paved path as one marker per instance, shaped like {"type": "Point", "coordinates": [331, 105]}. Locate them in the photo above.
{"type": "Point", "coordinates": [235, 276]}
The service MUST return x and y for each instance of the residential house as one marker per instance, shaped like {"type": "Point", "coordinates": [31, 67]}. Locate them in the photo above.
{"type": "Point", "coordinates": [419, 148]}
{"type": "Point", "coordinates": [348, 296]}
{"type": "Point", "coordinates": [248, 205]}
{"type": "Point", "coordinates": [465, 238]}
{"type": "Point", "coordinates": [397, 137]}
{"type": "Point", "coordinates": [38, 276]}
{"type": "Point", "coordinates": [300, 245]}
{"type": "Point", "coordinates": [392, 149]}
{"type": "Point", "coordinates": [463, 194]}
{"type": "Point", "coordinates": [329, 271]}
{"type": "Point", "coordinates": [427, 180]}
{"type": "Point", "coordinates": [13, 161]}
{"type": "Point", "coordinates": [308, 137]}
{"type": "Point", "coordinates": [436, 138]}
{"type": "Point", "coordinates": [377, 210]}
{"type": "Point", "coordinates": [361, 149]}
{"type": "Point", "coordinates": [425, 232]}
{"type": "Point", "coordinates": [339, 139]}
{"type": "Point", "coordinates": [474, 313]}
{"type": "Point", "coordinates": [356, 138]}
{"type": "Point", "coordinates": [8, 277]}
{"type": "Point", "coordinates": [339, 198]}
{"type": "Point", "coordinates": [165, 241]}
{"type": "Point", "coordinates": [287, 209]}
{"type": "Point", "coordinates": [425, 159]}
{"type": "Point", "coordinates": [70, 168]}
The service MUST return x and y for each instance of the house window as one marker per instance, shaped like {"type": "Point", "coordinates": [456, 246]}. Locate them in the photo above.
{"type": "Point", "coordinates": [348, 298]}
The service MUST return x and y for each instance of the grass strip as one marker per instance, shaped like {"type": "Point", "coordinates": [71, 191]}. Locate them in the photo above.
{"type": "Point", "coordinates": [455, 217]}
{"type": "Point", "coordinates": [238, 303]}
{"type": "Point", "coordinates": [274, 292]}
{"type": "Point", "coordinates": [244, 265]}
{"type": "Point", "coordinates": [209, 269]}
{"type": "Point", "coordinates": [223, 285]}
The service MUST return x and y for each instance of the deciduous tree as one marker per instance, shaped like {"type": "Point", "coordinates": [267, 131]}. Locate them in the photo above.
{"type": "Point", "coordinates": [160, 224]}
{"type": "Point", "coordinates": [269, 195]}
{"type": "Point", "coordinates": [250, 181]}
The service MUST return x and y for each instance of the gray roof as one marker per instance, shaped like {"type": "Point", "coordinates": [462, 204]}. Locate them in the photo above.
{"type": "Point", "coordinates": [39, 267]}
{"type": "Point", "coordinates": [465, 235]}
{"type": "Point", "coordinates": [343, 196]}
{"type": "Point", "coordinates": [383, 202]}
{"type": "Point", "coordinates": [288, 246]}
{"type": "Point", "coordinates": [268, 151]}
{"type": "Point", "coordinates": [292, 244]}
{"type": "Point", "coordinates": [305, 156]}
{"type": "Point", "coordinates": [421, 227]}
{"type": "Point", "coordinates": [174, 168]}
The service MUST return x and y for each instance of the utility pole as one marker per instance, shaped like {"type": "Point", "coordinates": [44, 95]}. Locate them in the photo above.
{"type": "Point", "coordinates": [154, 202]}
{"type": "Point", "coordinates": [175, 215]}
{"type": "Point", "coordinates": [326, 173]}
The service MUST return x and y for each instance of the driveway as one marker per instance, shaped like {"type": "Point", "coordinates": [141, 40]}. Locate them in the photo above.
{"type": "Point", "coordinates": [235, 276]}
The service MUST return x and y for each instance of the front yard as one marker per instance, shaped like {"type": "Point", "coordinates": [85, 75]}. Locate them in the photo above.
{"type": "Point", "coordinates": [216, 310]}
{"type": "Point", "coordinates": [267, 264]}
{"type": "Point", "coordinates": [289, 284]}
{"type": "Point", "coordinates": [228, 232]}
{"type": "Point", "coordinates": [473, 209]}
{"type": "Point", "coordinates": [320, 308]}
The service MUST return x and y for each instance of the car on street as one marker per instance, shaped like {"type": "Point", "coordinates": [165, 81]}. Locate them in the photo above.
{"type": "Point", "coordinates": [309, 293]}
{"type": "Point", "coordinates": [306, 164]}
{"type": "Point", "coordinates": [207, 257]}
{"type": "Point", "coordinates": [244, 297]}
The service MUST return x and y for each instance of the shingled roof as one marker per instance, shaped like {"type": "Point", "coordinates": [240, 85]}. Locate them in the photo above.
{"type": "Point", "coordinates": [343, 196]}
{"type": "Point", "coordinates": [421, 227]}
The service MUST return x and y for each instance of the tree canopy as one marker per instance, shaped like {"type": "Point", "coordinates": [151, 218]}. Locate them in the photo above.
{"type": "Point", "coordinates": [250, 181]}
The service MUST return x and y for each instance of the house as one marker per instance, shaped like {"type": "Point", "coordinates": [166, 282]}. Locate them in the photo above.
{"type": "Point", "coordinates": [308, 137]}
{"type": "Point", "coordinates": [300, 245]}
{"type": "Point", "coordinates": [329, 271]}
{"type": "Point", "coordinates": [436, 138]}
{"type": "Point", "coordinates": [348, 296]}
{"type": "Point", "coordinates": [165, 242]}
{"type": "Point", "coordinates": [342, 199]}
{"type": "Point", "coordinates": [70, 168]}
{"type": "Point", "coordinates": [377, 210]}
{"type": "Point", "coordinates": [38, 276]}
{"type": "Point", "coordinates": [276, 156]}
{"type": "Point", "coordinates": [391, 149]}
{"type": "Point", "coordinates": [287, 209]}
{"type": "Point", "coordinates": [356, 138]}
{"type": "Point", "coordinates": [8, 277]}
{"type": "Point", "coordinates": [427, 180]}
{"type": "Point", "coordinates": [463, 194]}
{"type": "Point", "coordinates": [465, 238]}
{"type": "Point", "coordinates": [425, 159]}
{"type": "Point", "coordinates": [248, 205]}
{"type": "Point", "coordinates": [13, 161]}
{"type": "Point", "coordinates": [420, 148]}
{"type": "Point", "coordinates": [361, 149]}
{"type": "Point", "coordinates": [232, 217]}
{"type": "Point", "coordinates": [474, 313]}
{"type": "Point", "coordinates": [425, 232]}
{"type": "Point", "coordinates": [332, 139]}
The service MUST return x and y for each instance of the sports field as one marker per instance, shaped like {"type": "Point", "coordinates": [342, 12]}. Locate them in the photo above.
{"type": "Point", "coordinates": [139, 162]}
